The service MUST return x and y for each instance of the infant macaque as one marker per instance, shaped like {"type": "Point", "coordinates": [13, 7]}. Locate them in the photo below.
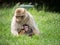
{"type": "Point", "coordinates": [26, 30]}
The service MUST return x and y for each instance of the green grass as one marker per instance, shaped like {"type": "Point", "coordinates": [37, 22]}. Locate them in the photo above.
{"type": "Point", "coordinates": [48, 23]}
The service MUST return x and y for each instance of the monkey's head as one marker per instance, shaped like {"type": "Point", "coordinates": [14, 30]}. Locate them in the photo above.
{"type": "Point", "coordinates": [20, 14]}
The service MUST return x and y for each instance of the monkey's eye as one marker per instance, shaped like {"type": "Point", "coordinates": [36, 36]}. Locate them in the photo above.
{"type": "Point", "coordinates": [22, 16]}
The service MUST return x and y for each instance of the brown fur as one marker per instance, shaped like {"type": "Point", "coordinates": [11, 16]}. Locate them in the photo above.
{"type": "Point", "coordinates": [21, 17]}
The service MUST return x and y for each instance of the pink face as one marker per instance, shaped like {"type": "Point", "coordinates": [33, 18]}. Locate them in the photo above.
{"type": "Point", "coordinates": [26, 28]}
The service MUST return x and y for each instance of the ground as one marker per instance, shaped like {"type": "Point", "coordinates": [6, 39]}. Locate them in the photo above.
{"type": "Point", "coordinates": [47, 22]}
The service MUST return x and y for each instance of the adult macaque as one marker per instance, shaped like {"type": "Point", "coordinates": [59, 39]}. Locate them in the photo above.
{"type": "Point", "coordinates": [21, 17]}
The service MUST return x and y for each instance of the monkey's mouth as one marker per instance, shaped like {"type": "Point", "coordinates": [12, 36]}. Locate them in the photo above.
{"type": "Point", "coordinates": [18, 21]}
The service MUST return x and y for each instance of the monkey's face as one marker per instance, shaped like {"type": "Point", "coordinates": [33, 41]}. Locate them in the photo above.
{"type": "Point", "coordinates": [20, 14]}
{"type": "Point", "coordinates": [19, 18]}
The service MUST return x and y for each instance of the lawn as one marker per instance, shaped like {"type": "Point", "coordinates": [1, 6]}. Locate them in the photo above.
{"type": "Point", "coordinates": [48, 23]}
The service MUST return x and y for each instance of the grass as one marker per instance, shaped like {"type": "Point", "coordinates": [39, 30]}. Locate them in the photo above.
{"type": "Point", "coordinates": [48, 23]}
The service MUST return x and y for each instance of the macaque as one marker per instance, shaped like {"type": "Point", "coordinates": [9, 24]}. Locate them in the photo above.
{"type": "Point", "coordinates": [26, 30]}
{"type": "Point", "coordinates": [21, 17]}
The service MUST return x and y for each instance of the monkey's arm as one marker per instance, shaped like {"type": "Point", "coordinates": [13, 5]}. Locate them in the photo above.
{"type": "Point", "coordinates": [33, 25]}
{"type": "Point", "coordinates": [13, 28]}
{"type": "Point", "coordinates": [14, 32]}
